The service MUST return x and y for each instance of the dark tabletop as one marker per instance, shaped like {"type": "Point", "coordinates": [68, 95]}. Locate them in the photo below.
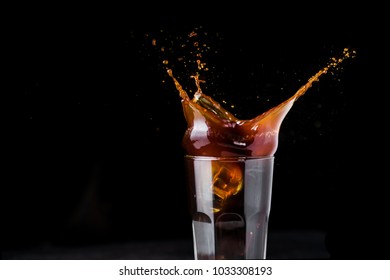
{"type": "Point", "coordinates": [297, 244]}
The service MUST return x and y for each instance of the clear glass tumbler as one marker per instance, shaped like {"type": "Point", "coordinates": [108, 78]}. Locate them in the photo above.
{"type": "Point", "coordinates": [230, 199]}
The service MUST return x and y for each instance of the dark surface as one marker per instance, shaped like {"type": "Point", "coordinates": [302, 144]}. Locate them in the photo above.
{"type": "Point", "coordinates": [301, 245]}
{"type": "Point", "coordinates": [92, 136]}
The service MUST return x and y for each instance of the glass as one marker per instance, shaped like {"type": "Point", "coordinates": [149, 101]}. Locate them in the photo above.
{"type": "Point", "coordinates": [230, 199]}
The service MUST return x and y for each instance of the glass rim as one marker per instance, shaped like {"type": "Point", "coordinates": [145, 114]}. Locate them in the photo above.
{"type": "Point", "coordinates": [228, 158]}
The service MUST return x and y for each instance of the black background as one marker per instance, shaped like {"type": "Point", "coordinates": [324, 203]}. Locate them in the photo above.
{"type": "Point", "coordinates": [93, 124]}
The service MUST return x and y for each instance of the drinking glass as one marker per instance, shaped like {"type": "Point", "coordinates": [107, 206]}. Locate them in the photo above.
{"type": "Point", "coordinates": [230, 199]}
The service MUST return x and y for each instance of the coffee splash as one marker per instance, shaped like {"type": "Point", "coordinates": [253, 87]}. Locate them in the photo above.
{"type": "Point", "coordinates": [214, 131]}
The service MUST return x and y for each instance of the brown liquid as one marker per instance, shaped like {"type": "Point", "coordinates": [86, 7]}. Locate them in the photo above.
{"type": "Point", "coordinates": [213, 131]}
